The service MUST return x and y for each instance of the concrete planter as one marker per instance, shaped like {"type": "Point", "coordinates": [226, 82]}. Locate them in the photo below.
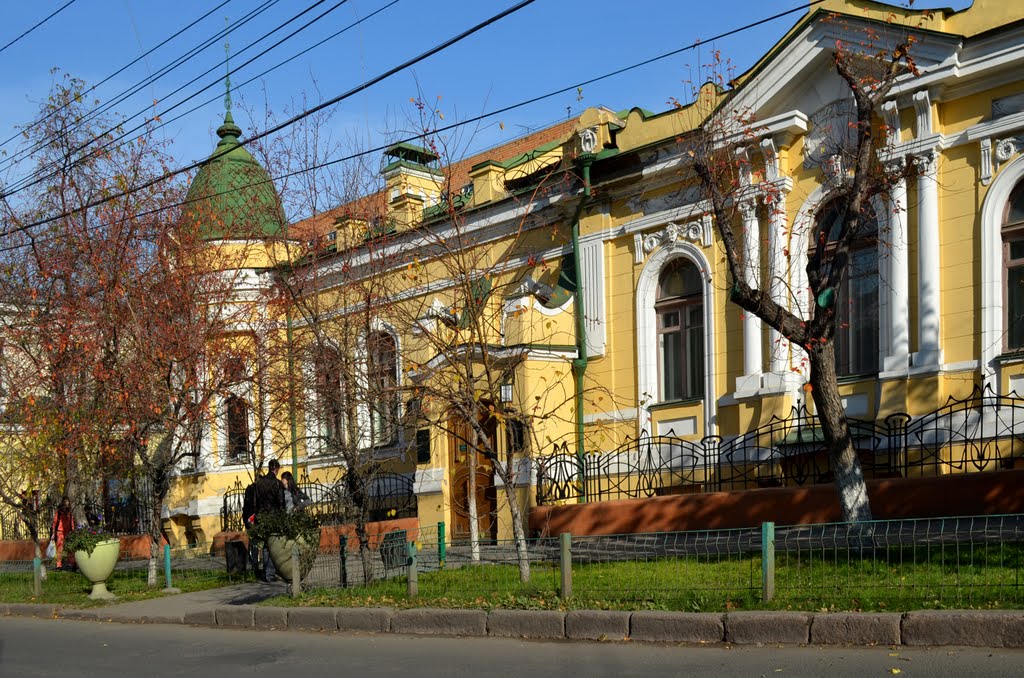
{"type": "Point", "coordinates": [281, 554]}
{"type": "Point", "coordinates": [98, 566]}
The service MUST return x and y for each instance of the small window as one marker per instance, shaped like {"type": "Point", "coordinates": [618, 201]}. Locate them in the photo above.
{"type": "Point", "coordinates": [238, 429]}
{"type": "Point", "coordinates": [330, 386]}
{"type": "Point", "coordinates": [679, 308]}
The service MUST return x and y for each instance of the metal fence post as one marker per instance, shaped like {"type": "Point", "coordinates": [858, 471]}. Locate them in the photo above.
{"type": "Point", "coordinates": [167, 571]}
{"type": "Point", "coordinates": [412, 588]}
{"type": "Point", "coordinates": [565, 562]}
{"type": "Point", "coordinates": [37, 577]}
{"type": "Point", "coordinates": [343, 557]}
{"type": "Point", "coordinates": [296, 572]}
{"type": "Point", "coordinates": [442, 548]}
{"type": "Point", "coordinates": [767, 561]}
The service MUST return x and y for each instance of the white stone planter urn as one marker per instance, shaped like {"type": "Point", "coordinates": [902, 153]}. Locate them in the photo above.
{"type": "Point", "coordinates": [98, 566]}
{"type": "Point", "coordinates": [281, 554]}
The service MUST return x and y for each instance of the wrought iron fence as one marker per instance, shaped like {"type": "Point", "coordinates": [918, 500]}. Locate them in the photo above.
{"type": "Point", "coordinates": [124, 509]}
{"type": "Point", "coordinates": [390, 496]}
{"type": "Point", "coordinates": [982, 432]}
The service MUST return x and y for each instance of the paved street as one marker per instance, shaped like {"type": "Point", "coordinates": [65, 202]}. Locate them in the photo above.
{"type": "Point", "coordinates": [59, 648]}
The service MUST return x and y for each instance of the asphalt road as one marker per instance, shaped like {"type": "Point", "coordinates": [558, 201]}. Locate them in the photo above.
{"type": "Point", "coordinates": [39, 647]}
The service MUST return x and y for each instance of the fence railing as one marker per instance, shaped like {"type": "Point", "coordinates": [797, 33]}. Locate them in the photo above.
{"type": "Point", "coordinates": [982, 432]}
{"type": "Point", "coordinates": [388, 496]}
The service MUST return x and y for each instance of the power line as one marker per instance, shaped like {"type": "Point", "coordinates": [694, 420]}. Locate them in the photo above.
{"type": "Point", "coordinates": [117, 72]}
{"type": "Point", "coordinates": [38, 176]}
{"type": "Point", "coordinates": [40, 23]}
{"type": "Point", "coordinates": [133, 89]}
{"type": "Point", "coordinates": [377, 149]}
{"type": "Point", "coordinates": [291, 121]}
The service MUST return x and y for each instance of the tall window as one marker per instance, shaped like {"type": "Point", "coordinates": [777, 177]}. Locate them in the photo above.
{"type": "Point", "coordinates": [238, 428]}
{"type": "Point", "coordinates": [679, 307]}
{"type": "Point", "coordinates": [856, 304]}
{"type": "Point", "coordinates": [331, 394]}
{"type": "Point", "coordinates": [382, 370]}
{"type": "Point", "coordinates": [1013, 267]}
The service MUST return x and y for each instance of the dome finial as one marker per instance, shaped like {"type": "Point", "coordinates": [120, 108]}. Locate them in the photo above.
{"type": "Point", "coordinates": [227, 65]}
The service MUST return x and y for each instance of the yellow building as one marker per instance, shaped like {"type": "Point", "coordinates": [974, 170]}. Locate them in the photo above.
{"type": "Point", "coordinates": [580, 268]}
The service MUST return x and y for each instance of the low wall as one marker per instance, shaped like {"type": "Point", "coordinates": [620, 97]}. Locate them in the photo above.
{"type": "Point", "coordinates": [133, 547]}
{"type": "Point", "coordinates": [329, 534]}
{"type": "Point", "coordinates": [956, 495]}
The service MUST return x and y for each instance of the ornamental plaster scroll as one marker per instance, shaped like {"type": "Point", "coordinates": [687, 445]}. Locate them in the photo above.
{"type": "Point", "coordinates": [697, 232]}
{"type": "Point", "coordinates": [986, 161]}
{"type": "Point", "coordinates": [771, 159]}
{"type": "Point", "coordinates": [927, 162]}
{"type": "Point", "coordinates": [1009, 147]}
{"type": "Point", "coordinates": [923, 113]}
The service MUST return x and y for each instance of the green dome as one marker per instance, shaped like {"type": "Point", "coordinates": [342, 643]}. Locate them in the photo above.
{"type": "Point", "coordinates": [232, 196]}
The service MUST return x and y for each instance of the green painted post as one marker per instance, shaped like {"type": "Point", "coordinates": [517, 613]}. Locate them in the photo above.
{"type": "Point", "coordinates": [412, 588]}
{"type": "Point", "coordinates": [565, 563]}
{"type": "Point", "coordinates": [767, 561]}
{"type": "Point", "coordinates": [37, 577]}
{"type": "Point", "coordinates": [296, 573]}
{"type": "Point", "coordinates": [343, 566]}
{"type": "Point", "coordinates": [442, 548]}
{"type": "Point", "coordinates": [167, 565]}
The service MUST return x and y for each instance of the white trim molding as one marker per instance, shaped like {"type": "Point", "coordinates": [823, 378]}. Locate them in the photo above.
{"type": "Point", "coordinates": [647, 332]}
{"type": "Point", "coordinates": [992, 268]}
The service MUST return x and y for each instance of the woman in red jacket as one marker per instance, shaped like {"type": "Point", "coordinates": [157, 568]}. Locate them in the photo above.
{"type": "Point", "coordinates": [63, 523]}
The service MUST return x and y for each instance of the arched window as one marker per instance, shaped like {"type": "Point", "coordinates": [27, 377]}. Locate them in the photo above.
{"type": "Point", "coordinates": [382, 373]}
{"type": "Point", "coordinates": [1013, 267]}
{"type": "Point", "coordinates": [856, 304]}
{"type": "Point", "coordinates": [330, 391]}
{"type": "Point", "coordinates": [679, 307]}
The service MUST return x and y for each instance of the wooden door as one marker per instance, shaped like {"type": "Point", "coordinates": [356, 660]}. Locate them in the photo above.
{"type": "Point", "coordinates": [459, 461]}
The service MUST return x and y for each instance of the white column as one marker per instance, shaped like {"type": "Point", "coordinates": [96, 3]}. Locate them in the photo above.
{"type": "Point", "coordinates": [778, 277]}
{"type": "Point", "coordinates": [898, 287]}
{"type": "Point", "coordinates": [752, 358]}
{"type": "Point", "coordinates": [928, 263]}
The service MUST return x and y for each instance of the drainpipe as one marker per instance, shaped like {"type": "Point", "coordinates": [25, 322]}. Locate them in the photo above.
{"type": "Point", "coordinates": [579, 365]}
{"type": "Point", "coordinates": [291, 389]}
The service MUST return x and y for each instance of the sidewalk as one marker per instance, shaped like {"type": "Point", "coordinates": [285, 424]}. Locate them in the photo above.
{"type": "Point", "coordinates": [235, 607]}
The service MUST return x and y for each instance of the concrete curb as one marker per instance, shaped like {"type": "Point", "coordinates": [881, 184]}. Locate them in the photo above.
{"type": "Point", "coordinates": [673, 627]}
{"type": "Point", "coordinates": [238, 616]}
{"type": "Point", "coordinates": [4, 612]}
{"type": "Point", "coordinates": [964, 627]}
{"type": "Point", "coordinates": [976, 628]}
{"type": "Point", "coordinates": [31, 610]}
{"type": "Point", "coordinates": [750, 628]}
{"type": "Point", "coordinates": [856, 628]}
{"type": "Point", "coordinates": [437, 622]}
{"type": "Point", "coordinates": [526, 624]}
{"type": "Point", "coordinates": [373, 619]}
{"type": "Point", "coordinates": [312, 619]}
{"type": "Point", "coordinates": [597, 625]}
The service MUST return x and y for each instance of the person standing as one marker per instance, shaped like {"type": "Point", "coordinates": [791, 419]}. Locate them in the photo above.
{"type": "Point", "coordinates": [294, 498]}
{"type": "Point", "coordinates": [63, 523]}
{"type": "Point", "coordinates": [269, 498]}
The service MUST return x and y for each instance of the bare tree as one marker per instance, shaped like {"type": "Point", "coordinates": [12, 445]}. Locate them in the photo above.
{"type": "Point", "coordinates": [855, 175]}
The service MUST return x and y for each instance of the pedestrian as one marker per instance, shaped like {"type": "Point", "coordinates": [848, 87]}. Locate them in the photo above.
{"type": "Point", "coordinates": [269, 496]}
{"type": "Point", "coordinates": [294, 497]}
{"type": "Point", "coordinates": [63, 523]}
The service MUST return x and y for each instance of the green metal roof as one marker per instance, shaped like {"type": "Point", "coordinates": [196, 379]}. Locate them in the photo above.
{"type": "Point", "coordinates": [232, 195]}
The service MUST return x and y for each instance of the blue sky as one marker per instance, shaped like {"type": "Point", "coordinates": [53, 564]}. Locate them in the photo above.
{"type": "Point", "coordinates": [548, 45]}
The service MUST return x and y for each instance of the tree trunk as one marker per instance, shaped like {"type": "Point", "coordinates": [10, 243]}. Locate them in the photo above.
{"type": "Point", "coordinates": [471, 489]}
{"type": "Point", "coordinates": [518, 533]}
{"type": "Point", "coordinates": [849, 477]}
{"type": "Point", "coordinates": [155, 538]}
{"type": "Point", "coordinates": [365, 555]}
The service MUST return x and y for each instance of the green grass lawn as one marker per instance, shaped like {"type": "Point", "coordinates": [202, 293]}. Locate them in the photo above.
{"type": "Point", "coordinates": [893, 579]}
{"type": "Point", "coordinates": [72, 589]}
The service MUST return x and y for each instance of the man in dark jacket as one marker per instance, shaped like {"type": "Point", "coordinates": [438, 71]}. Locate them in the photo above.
{"type": "Point", "coordinates": [269, 497]}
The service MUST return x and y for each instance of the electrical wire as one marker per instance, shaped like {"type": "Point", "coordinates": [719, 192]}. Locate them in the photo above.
{"type": "Point", "coordinates": [115, 73]}
{"type": "Point", "coordinates": [37, 177]}
{"type": "Point", "coordinates": [377, 149]}
{"type": "Point", "coordinates": [40, 23]}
